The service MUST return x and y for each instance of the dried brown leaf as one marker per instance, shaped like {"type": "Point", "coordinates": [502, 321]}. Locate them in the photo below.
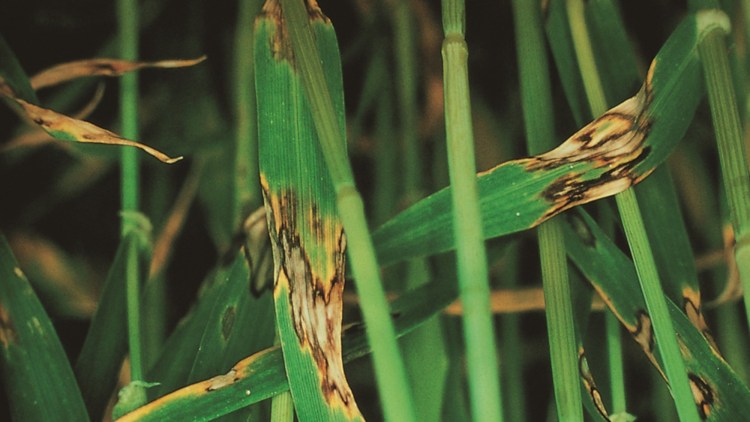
{"type": "Point", "coordinates": [70, 129]}
{"type": "Point", "coordinates": [65, 72]}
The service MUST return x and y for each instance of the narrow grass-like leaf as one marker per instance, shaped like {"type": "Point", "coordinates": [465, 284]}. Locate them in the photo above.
{"type": "Point", "coordinates": [35, 370]}
{"type": "Point", "coordinates": [262, 375]}
{"type": "Point", "coordinates": [315, 50]}
{"type": "Point", "coordinates": [581, 170]}
{"type": "Point", "coordinates": [12, 74]}
{"type": "Point", "coordinates": [306, 233]}
{"type": "Point", "coordinates": [106, 340]}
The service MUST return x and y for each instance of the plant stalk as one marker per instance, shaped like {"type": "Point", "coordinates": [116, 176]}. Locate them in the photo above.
{"type": "Point", "coordinates": [473, 278]}
{"type": "Point", "coordinates": [630, 214]}
{"type": "Point", "coordinates": [538, 118]}
{"type": "Point", "coordinates": [732, 153]}
{"type": "Point", "coordinates": [127, 16]}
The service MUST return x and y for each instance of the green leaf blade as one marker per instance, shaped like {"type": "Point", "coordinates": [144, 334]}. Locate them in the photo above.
{"type": "Point", "coordinates": [35, 370]}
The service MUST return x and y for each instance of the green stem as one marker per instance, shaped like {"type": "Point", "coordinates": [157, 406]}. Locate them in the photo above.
{"type": "Point", "coordinates": [560, 322]}
{"type": "Point", "coordinates": [246, 140]}
{"type": "Point", "coordinates": [127, 15]}
{"type": "Point", "coordinates": [616, 370]}
{"type": "Point", "coordinates": [656, 303]}
{"type": "Point", "coordinates": [407, 99]}
{"type": "Point", "coordinates": [393, 383]}
{"type": "Point", "coordinates": [479, 333]}
{"type": "Point", "coordinates": [538, 118]}
{"type": "Point", "coordinates": [585, 55]}
{"type": "Point", "coordinates": [632, 221]}
{"type": "Point", "coordinates": [133, 293]}
{"type": "Point", "coordinates": [282, 407]}
{"type": "Point", "coordinates": [732, 153]}
{"type": "Point", "coordinates": [282, 404]}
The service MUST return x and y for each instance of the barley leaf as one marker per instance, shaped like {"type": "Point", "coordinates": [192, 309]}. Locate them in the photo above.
{"type": "Point", "coordinates": [35, 370]}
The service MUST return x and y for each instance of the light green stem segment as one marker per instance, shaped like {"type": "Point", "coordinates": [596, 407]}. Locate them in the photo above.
{"type": "Point", "coordinates": [615, 363]}
{"type": "Point", "coordinates": [282, 407]}
{"type": "Point", "coordinates": [635, 232]}
{"type": "Point", "coordinates": [560, 323]}
{"type": "Point", "coordinates": [538, 118]}
{"type": "Point", "coordinates": [389, 367]}
{"type": "Point", "coordinates": [127, 15]}
{"type": "Point", "coordinates": [732, 153]}
{"type": "Point", "coordinates": [246, 138]}
{"type": "Point", "coordinates": [282, 404]}
{"type": "Point", "coordinates": [407, 99]}
{"type": "Point", "coordinates": [656, 303]}
{"type": "Point", "coordinates": [479, 333]}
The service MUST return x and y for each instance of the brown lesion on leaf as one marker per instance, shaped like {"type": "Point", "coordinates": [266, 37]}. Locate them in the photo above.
{"type": "Point", "coordinates": [643, 332]}
{"type": "Point", "coordinates": [314, 12]}
{"type": "Point", "coordinates": [703, 394]}
{"type": "Point", "coordinates": [280, 43]}
{"type": "Point", "coordinates": [590, 385]}
{"type": "Point", "coordinates": [221, 381]}
{"type": "Point", "coordinates": [613, 143]}
{"type": "Point", "coordinates": [8, 335]}
{"type": "Point", "coordinates": [315, 293]}
{"type": "Point", "coordinates": [694, 311]}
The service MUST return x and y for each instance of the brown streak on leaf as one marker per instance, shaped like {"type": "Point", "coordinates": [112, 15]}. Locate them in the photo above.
{"type": "Point", "coordinates": [694, 311]}
{"type": "Point", "coordinates": [614, 143]}
{"type": "Point", "coordinates": [703, 394]}
{"type": "Point", "coordinates": [280, 43]}
{"type": "Point", "coordinates": [315, 303]}
{"type": "Point", "coordinates": [643, 334]}
{"type": "Point", "coordinates": [588, 382]}
{"type": "Point", "coordinates": [221, 381]}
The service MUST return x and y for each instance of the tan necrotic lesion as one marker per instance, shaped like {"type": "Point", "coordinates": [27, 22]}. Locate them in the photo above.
{"type": "Point", "coordinates": [315, 287]}
{"type": "Point", "coordinates": [611, 147]}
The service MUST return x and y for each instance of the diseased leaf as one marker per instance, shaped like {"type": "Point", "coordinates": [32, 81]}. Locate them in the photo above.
{"type": "Point", "coordinates": [306, 232]}
{"type": "Point", "coordinates": [65, 72]}
{"type": "Point", "coordinates": [16, 88]}
{"type": "Point", "coordinates": [261, 376]}
{"type": "Point", "coordinates": [67, 128]}
{"type": "Point", "coordinates": [717, 391]}
{"type": "Point", "coordinates": [612, 153]}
